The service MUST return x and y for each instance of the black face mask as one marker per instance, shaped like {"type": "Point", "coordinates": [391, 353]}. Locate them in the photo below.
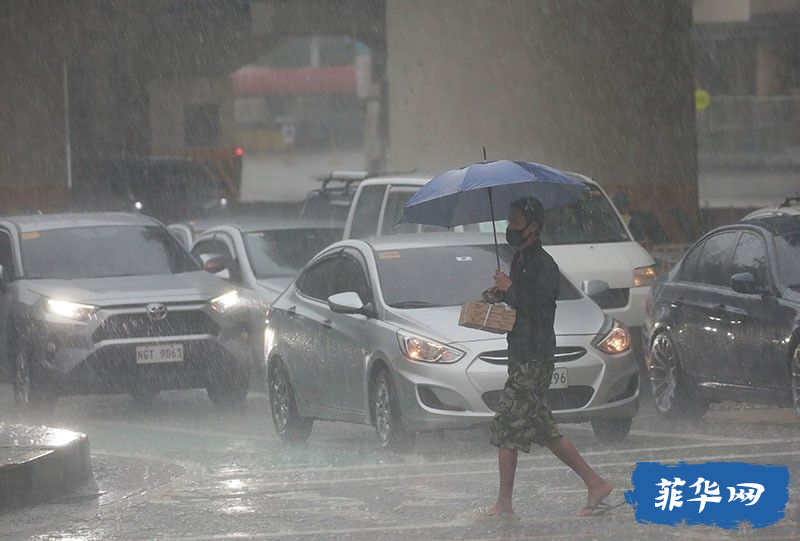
{"type": "Point", "coordinates": [515, 237]}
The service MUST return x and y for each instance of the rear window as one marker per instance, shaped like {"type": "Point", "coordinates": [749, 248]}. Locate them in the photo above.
{"type": "Point", "coordinates": [445, 275]}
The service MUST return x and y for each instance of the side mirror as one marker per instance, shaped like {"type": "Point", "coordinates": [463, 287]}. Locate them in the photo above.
{"type": "Point", "coordinates": [592, 288]}
{"type": "Point", "coordinates": [214, 263]}
{"type": "Point", "coordinates": [746, 283]}
{"type": "Point", "coordinates": [348, 302]}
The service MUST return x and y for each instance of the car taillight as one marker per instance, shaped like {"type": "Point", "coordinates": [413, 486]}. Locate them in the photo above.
{"type": "Point", "coordinates": [239, 151]}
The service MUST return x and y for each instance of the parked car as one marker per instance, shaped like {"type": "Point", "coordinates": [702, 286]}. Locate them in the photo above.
{"type": "Point", "coordinates": [168, 188]}
{"type": "Point", "coordinates": [368, 333]}
{"type": "Point", "coordinates": [588, 239]}
{"type": "Point", "coordinates": [112, 303]}
{"type": "Point", "coordinates": [724, 324]}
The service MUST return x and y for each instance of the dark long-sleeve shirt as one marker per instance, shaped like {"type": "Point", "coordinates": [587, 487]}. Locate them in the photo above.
{"type": "Point", "coordinates": [533, 293]}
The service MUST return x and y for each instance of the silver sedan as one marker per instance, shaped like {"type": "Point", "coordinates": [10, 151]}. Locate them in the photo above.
{"type": "Point", "coordinates": [368, 333]}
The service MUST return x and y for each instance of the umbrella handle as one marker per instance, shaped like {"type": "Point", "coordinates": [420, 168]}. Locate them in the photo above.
{"type": "Point", "coordinates": [494, 228]}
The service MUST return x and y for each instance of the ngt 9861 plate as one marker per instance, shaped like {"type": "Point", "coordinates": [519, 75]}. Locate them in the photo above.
{"type": "Point", "coordinates": [163, 353]}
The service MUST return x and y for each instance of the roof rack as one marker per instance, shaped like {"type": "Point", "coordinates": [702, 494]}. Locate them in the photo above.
{"type": "Point", "coordinates": [348, 178]}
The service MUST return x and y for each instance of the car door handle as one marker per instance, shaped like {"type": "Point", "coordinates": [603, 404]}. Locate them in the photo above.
{"type": "Point", "coordinates": [677, 303]}
{"type": "Point", "coordinates": [327, 324]}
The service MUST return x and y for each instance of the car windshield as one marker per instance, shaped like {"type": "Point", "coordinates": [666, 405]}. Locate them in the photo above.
{"type": "Point", "coordinates": [592, 219]}
{"type": "Point", "coordinates": [284, 252]}
{"type": "Point", "coordinates": [102, 252]}
{"type": "Point", "coordinates": [444, 275]}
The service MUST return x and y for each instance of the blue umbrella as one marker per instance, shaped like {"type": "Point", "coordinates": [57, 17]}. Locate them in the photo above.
{"type": "Point", "coordinates": [479, 192]}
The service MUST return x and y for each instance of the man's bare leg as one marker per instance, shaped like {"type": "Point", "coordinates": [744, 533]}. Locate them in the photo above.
{"type": "Point", "coordinates": [507, 460]}
{"type": "Point", "coordinates": [598, 487]}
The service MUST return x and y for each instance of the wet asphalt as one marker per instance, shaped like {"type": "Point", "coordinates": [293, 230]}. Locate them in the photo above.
{"type": "Point", "coordinates": [184, 470]}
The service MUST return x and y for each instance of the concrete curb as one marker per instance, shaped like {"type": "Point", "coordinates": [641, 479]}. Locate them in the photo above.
{"type": "Point", "coordinates": [40, 463]}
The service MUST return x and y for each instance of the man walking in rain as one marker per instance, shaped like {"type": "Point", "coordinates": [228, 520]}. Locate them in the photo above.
{"type": "Point", "coordinates": [523, 416]}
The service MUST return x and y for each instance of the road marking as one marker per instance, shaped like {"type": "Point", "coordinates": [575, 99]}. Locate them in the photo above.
{"type": "Point", "coordinates": [398, 477]}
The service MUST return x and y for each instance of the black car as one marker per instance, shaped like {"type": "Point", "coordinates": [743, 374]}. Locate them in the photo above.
{"type": "Point", "coordinates": [724, 324]}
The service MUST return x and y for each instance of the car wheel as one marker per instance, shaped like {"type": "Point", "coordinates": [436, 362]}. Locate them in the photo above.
{"type": "Point", "coordinates": [31, 391]}
{"type": "Point", "coordinates": [673, 395]}
{"type": "Point", "coordinates": [228, 391]}
{"type": "Point", "coordinates": [611, 431]}
{"type": "Point", "coordinates": [288, 423]}
{"type": "Point", "coordinates": [392, 434]}
{"type": "Point", "coordinates": [795, 368]}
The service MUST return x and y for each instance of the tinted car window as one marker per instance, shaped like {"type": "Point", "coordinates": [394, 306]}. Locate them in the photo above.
{"type": "Point", "coordinates": [99, 252]}
{"type": "Point", "coordinates": [316, 281]}
{"type": "Point", "coordinates": [349, 276]}
{"type": "Point", "coordinates": [284, 252]}
{"type": "Point", "coordinates": [367, 211]}
{"type": "Point", "coordinates": [786, 231]}
{"type": "Point", "coordinates": [689, 264]}
{"type": "Point", "coordinates": [444, 275]}
{"type": "Point", "coordinates": [751, 256]}
{"type": "Point", "coordinates": [713, 267]}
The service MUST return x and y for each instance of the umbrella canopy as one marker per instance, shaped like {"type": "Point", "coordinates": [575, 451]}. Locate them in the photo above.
{"type": "Point", "coordinates": [479, 192]}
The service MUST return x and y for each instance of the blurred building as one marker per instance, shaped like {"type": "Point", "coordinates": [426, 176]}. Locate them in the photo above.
{"type": "Point", "coordinates": [747, 71]}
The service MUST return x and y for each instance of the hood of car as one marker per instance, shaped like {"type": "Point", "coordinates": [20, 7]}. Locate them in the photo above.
{"type": "Point", "coordinates": [183, 287]}
{"type": "Point", "coordinates": [575, 317]}
{"type": "Point", "coordinates": [612, 262]}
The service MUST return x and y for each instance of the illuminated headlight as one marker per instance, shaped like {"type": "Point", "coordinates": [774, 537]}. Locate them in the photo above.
{"type": "Point", "coordinates": [71, 310]}
{"type": "Point", "coordinates": [226, 302]}
{"type": "Point", "coordinates": [618, 340]}
{"type": "Point", "coordinates": [644, 276]}
{"type": "Point", "coordinates": [417, 348]}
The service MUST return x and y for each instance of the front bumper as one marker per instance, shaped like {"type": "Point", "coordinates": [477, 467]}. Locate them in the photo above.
{"type": "Point", "coordinates": [463, 394]}
{"type": "Point", "coordinates": [99, 356]}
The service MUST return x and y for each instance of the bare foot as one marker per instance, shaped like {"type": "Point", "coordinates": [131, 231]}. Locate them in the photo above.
{"type": "Point", "coordinates": [497, 511]}
{"type": "Point", "coordinates": [597, 494]}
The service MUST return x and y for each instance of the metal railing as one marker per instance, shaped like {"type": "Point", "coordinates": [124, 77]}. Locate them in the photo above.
{"type": "Point", "coordinates": [750, 129]}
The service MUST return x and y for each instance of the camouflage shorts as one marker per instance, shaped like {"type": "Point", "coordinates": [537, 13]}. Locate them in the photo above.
{"type": "Point", "coordinates": [523, 416]}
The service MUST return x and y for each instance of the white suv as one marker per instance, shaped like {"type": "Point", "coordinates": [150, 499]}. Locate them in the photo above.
{"type": "Point", "coordinates": [589, 241]}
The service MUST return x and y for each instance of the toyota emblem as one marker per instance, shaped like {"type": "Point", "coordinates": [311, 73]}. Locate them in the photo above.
{"type": "Point", "coordinates": [156, 312]}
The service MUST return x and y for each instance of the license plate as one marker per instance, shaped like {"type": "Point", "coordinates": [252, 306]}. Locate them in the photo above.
{"type": "Point", "coordinates": [166, 353]}
{"type": "Point", "coordinates": [559, 379]}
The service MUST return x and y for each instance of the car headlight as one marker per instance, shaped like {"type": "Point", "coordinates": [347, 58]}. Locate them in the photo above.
{"type": "Point", "coordinates": [70, 310]}
{"type": "Point", "coordinates": [418, 348]}
{"type": "Point", "coordinates": [618, 340]}
{"type": "Point", "coordinates": [644, 276]}
{"type": "Point", "coordinates": [226, 302]}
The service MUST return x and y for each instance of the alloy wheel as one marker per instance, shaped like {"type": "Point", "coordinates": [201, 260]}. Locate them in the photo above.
{"type": "Point", "coordinates": [383, 411]}
{"type": "Point", "coordinates": [663, 373]}
{"type": "Point", "coordinates": [280, 400]}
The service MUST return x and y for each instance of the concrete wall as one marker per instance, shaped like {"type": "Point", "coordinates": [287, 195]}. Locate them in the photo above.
{"type": "Point", "coordinates": [603, 88]}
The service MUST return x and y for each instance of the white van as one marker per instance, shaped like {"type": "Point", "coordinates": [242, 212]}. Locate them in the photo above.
{"type": "Point", "coordinates": [590, 241]}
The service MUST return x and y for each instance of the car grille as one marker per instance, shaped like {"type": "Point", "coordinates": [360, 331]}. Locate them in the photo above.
{"type": "Point", "coordinates": [612, 298]}
{"type": "Point", "coordinates": [573, 397]}
{"type": "Point", "coordinates": [139, 325]}
{"type": "Point", "coordinates": [563, 354]}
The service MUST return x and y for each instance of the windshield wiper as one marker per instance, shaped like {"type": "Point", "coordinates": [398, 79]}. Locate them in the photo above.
{"type": "Point", "coordinates": [414, 304]}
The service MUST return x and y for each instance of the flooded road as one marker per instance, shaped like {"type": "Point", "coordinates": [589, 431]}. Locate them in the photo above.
{"type": "Point", "coordinates": [183, 470]}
